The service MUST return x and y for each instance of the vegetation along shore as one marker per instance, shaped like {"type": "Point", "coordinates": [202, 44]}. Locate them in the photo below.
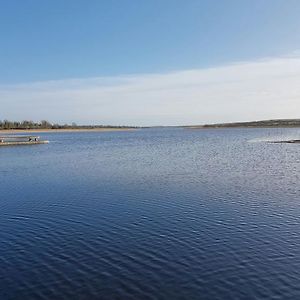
{"type": "Point", "coordinates": [45, 126]}
{"type": "Point", "coordinates": [252, 124]}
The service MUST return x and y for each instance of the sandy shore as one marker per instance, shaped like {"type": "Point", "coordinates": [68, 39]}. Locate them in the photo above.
{"type": "Point", "coordinates": [62, 130]}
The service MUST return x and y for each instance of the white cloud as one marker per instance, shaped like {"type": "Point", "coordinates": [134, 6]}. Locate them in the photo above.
{"type": "Point", "coordinates": [261, 89]}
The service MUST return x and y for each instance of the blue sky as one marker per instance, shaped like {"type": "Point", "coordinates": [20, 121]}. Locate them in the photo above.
{"type": "Point", "coordinates": [50, 43]}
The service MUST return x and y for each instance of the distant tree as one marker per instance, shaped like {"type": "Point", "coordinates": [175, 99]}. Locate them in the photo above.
{"type": "Point", "coordinates": [45, 124]}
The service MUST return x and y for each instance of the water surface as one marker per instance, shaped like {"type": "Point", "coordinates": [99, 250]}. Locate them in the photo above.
{"type": "Point", "coordinates": [151, 214]}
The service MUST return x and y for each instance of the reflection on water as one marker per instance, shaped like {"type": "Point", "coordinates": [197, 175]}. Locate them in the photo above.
{"type": "Point", "coordinates": [151, 214]}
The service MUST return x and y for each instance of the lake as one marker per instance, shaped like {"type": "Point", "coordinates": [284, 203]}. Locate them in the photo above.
{"type": "Point", "coordinates": [151, 214]}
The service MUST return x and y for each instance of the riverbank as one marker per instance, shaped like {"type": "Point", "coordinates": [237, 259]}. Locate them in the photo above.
{"type": "Point", "coordinates": [280, 123]}
{"type": "Point", "coordinates": [18, 131]}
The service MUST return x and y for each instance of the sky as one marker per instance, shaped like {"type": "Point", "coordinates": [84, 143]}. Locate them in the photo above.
{"type": "Point", "coordinates": [154, 62]}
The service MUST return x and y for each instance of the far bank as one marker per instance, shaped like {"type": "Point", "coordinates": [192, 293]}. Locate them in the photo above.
{"type": "Point", "coordinates": [19, 131]}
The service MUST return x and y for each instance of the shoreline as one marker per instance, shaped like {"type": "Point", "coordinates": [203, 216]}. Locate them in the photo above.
{"type": "Point", "coordinates": [238, 127]}
{"type": "Point", "coordinates": [11, 131]}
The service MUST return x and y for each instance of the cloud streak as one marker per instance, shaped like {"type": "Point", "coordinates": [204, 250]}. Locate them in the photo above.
{"type": "Point", "coordinates": [262, 89]}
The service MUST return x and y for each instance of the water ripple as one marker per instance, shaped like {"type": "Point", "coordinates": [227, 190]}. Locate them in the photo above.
{"type": "Point", "coordinates": [154, 214]}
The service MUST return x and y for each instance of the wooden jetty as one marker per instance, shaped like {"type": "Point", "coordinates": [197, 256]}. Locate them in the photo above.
{"type": "Point", "coordinates": [19, 140]}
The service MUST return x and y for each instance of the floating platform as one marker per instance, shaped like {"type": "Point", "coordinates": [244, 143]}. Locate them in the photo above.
{"type": "Point", "coordinates": [21, 140]}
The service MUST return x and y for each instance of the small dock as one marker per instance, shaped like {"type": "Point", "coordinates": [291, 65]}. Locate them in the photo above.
{"type": "Point", "coordinates": [20, 140]}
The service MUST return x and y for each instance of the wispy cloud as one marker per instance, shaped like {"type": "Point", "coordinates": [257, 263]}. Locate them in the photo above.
{"type": "Point", "coordinates": [263, 89]}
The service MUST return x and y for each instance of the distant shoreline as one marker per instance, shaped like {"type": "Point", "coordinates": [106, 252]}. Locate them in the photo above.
{"type": "Point", "coordinates": [238, 127]}
{"type": "Point", "coordinates": [280, 123]}
{"type": "Point", "coordinates": [11, 131]}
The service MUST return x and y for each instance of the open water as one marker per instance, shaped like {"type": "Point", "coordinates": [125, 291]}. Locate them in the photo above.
{"type": "Point", "coordinates": [151, 214]}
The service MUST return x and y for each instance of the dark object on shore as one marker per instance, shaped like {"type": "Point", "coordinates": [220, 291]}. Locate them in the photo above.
{"type": "Point", "coordinates": [14, 140]}
{"type": "Point", "coordinates": [287, 142]}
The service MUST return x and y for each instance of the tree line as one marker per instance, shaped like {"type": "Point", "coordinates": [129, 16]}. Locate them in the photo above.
{"type": "Point", "coordinates": [44, 124]}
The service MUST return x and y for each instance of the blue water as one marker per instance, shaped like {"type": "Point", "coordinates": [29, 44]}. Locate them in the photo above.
{"type": "Point", "coordinates": [151, 214]}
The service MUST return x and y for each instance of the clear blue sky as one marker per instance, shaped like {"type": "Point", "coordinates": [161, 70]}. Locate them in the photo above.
{"type": "Point", "coordinates": [55, 39]}
{"type": "Point", "coordinates": [149, 62]}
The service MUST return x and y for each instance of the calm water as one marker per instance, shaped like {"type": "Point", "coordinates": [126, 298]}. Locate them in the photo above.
{"type": "Point", "coordinates": [152, 214]}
